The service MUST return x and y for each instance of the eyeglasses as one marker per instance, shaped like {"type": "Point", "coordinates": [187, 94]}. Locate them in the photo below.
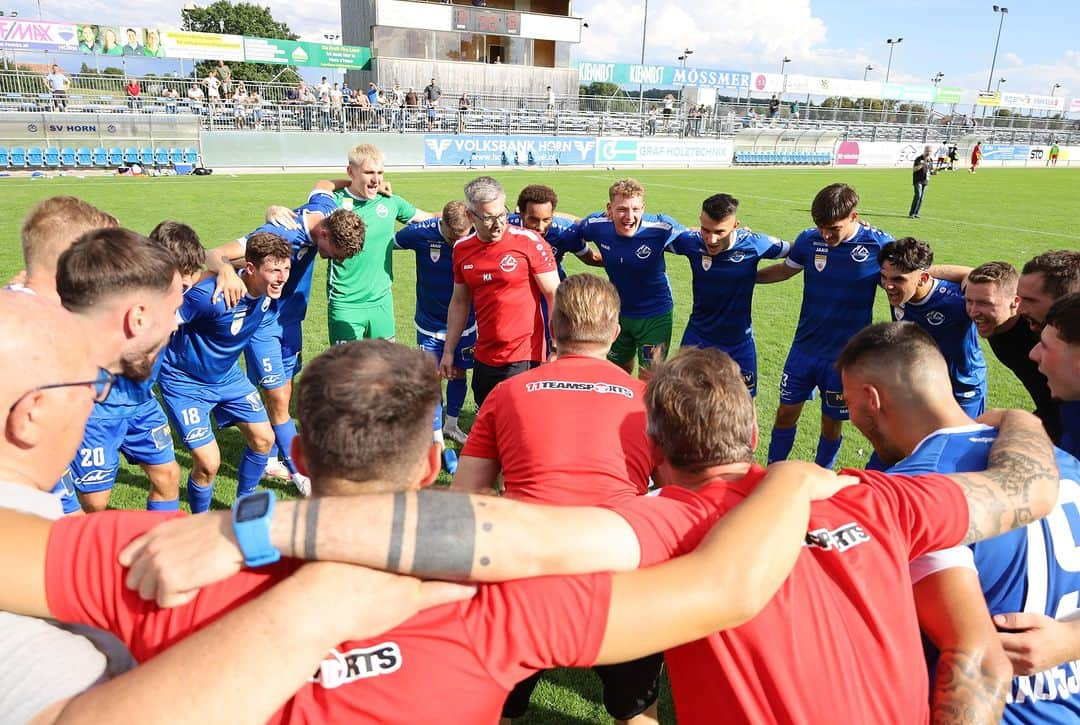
{"type": "Point", "coordinates": [492, 220]}
{"type": "Point", "coordinates": [102, 387]}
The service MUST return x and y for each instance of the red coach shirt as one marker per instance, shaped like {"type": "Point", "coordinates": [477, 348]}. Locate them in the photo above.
{"type": "Point", "coordinates": [571, 432]}
{"type": "Point", "coordinates": [840, 641]}
{"type": "Point", "coordinates": [454, 664]}
{"type": "Point", "coordinates": [509, 325]}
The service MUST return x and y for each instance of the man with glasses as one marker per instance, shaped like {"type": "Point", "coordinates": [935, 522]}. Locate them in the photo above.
{"type": "Point", "coordinates": [503, 272]}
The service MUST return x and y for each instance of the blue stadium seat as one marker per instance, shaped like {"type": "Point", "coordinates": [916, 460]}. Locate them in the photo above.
{"type": "Point", "coordinates": [84, 156]}
{"type": "Point", "coordinates": [191, 155]}
{"type": "Point", "coordinates": [161, 157]}
{"type": "Point", "coordinates": [146, 156]}
{"type": "Point", "coordinates": [18, 156]}
{"type": "Point", "coordinates": [67, 156]}
{"type": "Point", "coordinates": [131, 155]}
{"type": "Point", "coordinates": [116, 157]}
{"type": "Point", "coordinates": [101, 156]}
{"type": "Point", "coordinates": [176, 156]}
{"type": "Point", "coordinates": [52, 156]}
{"type": "Point", "coordinates": [4, 158]}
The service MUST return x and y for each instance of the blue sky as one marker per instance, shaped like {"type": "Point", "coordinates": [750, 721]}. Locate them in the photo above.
{"type": "Point", "coordinates": [1040, 41]}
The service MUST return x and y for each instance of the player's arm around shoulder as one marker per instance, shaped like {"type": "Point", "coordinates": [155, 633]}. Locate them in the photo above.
{"type": "Point", "coordinates": [729, 577]}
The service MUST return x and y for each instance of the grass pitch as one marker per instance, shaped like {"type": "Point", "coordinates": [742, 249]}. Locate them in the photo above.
{"type": "Point", "coordinates": [1007, 214]}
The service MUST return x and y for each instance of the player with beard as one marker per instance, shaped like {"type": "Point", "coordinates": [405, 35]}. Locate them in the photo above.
{"type": "Point", "coordinates": [200, 373]}
{"type": "Point", "coordinates": [129, 288]}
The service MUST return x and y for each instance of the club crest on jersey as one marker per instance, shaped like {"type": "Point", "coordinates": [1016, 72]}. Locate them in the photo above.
{"type": "Point", "coordinates": [935, 318]}
{"type": "Point", "coordinates": [508, 263]}
{"type": "Point", "coordinates": [860, 253]}
{"type": "Point", "coordinates": [898, 312]}
{"type": "Point", "coordinates": [435, 252]}
{"type": "Point", "coordinates": [381, 210]}
{"type": "Point", "coordinates": [706, 262]}
{"type": "Point", "coordinates": [302, 252]}
{"type": "Point", "coordinates": [643, 252]}
{"type": "Point", "coordinates": [237, 324]}
{"type": "Point", "coordinates": [265, 304]}
{"type": "Point", "coordinates": [737, 257]}
{"type": "Point", "coordinates": [347, 203]}
{"type": "Point", "coordinates": [820, 260]}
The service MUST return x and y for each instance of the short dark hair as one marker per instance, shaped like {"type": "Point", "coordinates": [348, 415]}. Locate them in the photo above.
{"type": "Point", "coordinates": [1060, 269]}
{"type": "Point", "coordinates": [365, 410]}
{"type": "Point", "coordinates": [1064, 316]}
{"type": "Point", "coordinates": [907, 254]}
{"type": "Point", "coordinates": [720, 206]}
{"type": "Point", "coordinates": [347, 231]}
{"type": "Point", "coordinates": [263, 245]}
{"type": "Point", "coordinates": [110, 261]}
{"type": "Point", "coordinates": [888, 345]}
{"type": "Point", "coordinates": [699, 411]}
{"type": "Point", "coordinates": [183, 242]}
{"type": "Point", "coordinates": [833, 203]}
{"type": "Point", "coordinates": [537, 194]}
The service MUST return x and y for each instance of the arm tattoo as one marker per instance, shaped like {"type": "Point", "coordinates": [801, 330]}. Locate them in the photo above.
{"type": "Point", "coordinates": [999, 499]}
{"type": "Point", "coordinates": [311, 525]}
{"type": "Point", "coordinates": [445, 534]}
{"type": "Point", "coordinates": [397, 532]}
{"type": "Point", "coordinates": [966, 691]}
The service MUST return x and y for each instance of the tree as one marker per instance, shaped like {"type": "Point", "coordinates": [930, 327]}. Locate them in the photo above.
{"type": "Point", "coordinates": [240, 19]}
{"type": "Point", "coordinates": [596, 88]}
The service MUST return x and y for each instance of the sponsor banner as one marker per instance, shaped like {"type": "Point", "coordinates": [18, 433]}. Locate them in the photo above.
{"type": "Point", "coordinates": [1005, 152]}
{"type": "Point", "coordinates": [704, 152]}
{"type": "Point", "coordinates": [445, 150]}
{"type": "Point", "coordinates": [197, 46]}
{"type": "Point", "coordinates": [19, 34]}
{"type": "Point", "coordinates": [1033, 102]}
{"type": "Point", "coordinates": [847, 153]}
{"type": "Point", "coordinates": [114, 40]}
{"type": "Point", "coordinates": [882, 154]}
{"type": "Point", "coordinates": [950, 94]}
{"type": "Point", "coordinates": [988, 98]}
{"type": "Point", "coordinates": [766, 82]}
{"type": "Point", "coordinates": [316, 55]}
{"type": "Point", "coordinates": [660, 75]}
{"type": "Point", "coordinates": [1074, 105]}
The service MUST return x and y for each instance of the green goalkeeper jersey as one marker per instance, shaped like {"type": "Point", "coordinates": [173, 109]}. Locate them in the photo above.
{"type": "Point", "coordinates": [367, 277]}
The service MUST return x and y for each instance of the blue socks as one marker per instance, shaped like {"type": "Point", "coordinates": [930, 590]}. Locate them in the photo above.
{"type": "Point", "coordinates": [455, 396]}
{"type": "Point", "coordinates": [199, 496]}
{"type": "Point", "coordinates": [827, 451]}
{"type": "Point", "coordinates": [781, 443]}
{"type": "Point", "coordinates": [436, 422]}
{"type": "Point", "coordinates": [250, 471]}
{"type": "Point", "coordinates": [284, 434]}
{"type": "Point", "coordinates": [173, 505]}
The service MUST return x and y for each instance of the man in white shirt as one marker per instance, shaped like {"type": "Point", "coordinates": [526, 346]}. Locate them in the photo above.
{"type": "Point", "coordinates": [58, 83]}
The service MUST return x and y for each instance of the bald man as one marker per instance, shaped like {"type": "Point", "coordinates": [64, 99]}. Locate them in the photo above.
{"type": "Point", "coordinates": [49, 381]}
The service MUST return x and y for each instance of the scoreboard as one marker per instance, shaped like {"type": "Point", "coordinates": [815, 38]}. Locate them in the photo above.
{"type": "Point", "coordinates": [485, 20]}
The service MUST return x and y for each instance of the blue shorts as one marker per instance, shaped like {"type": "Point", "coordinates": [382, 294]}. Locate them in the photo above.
{"type": "Point", "coordinates": [463, 355]}
{"type": "Point", "coordinates": [803, 373]}
{"type": "Point", "coordinates": [142, 435]}
{"type": "Point", "coordinates": [274, 359]}
{"type": "Point", "coordinates": [744, 354]}
{"type": "Point", "coordinates": [189, 405]}
{"type": "Point", "coordinates": [972, 400]}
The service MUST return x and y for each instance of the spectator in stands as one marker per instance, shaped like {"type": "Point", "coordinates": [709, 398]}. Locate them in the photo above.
{"type": "Point", "coordinates": [397, 106]}
{"type": "Point", "coordinates": [432, 93]}
{"type": "Point", "coordinates": [669, 109]}
{"type": "Point", "coordinates": [133, 46]}
{"type": "Point", "coordinates": [337, 103]}
{"type": "Point", "coordinates": [225, 74]}
{"type": "Point", "coordinates": [463, 110]}
{"type": "Point", "coordinates": [213, 90]}
{"type": "Point", "coordinates": [372, 94]}
{"type": "Point", "coordinates": [195, 96]}
{"type": "Point", "coordinates": [255, 104]}
{"type": "Point", "coordinates": [58, 84]}
{"type": "Point", "coordinates": [307, 111]}
{"type": "Point", "coordinates": [153, 47]}
{"type": "Point", "coordinates": [362, 110]}
{"type": "Point", "coordinates": [412, 105]}
{"type": "Point", "coordinates": [292, 95]}
{"type": "Point", "coordinates": [651, 123]}
{"type": "Point", "coordinates": [550, 104]}
{"type": "Point", "coordinates": [324, 107]}
{"type": "Point", "coordinates": [774, 109]}
{"type": "Point", "coordinates": [239, 104]}
{"type": "Point", "coordinates": [793, 110]}
{"type": "Point", "coordinates": [322, 85]}
{"type": "Point", "coordinates": [133, 90]}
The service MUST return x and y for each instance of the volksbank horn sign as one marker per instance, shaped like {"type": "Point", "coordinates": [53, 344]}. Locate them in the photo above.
{"type": "Point", "coordinates": [622, 73]}
{"type": "Point", "coordinates": [445, 150]}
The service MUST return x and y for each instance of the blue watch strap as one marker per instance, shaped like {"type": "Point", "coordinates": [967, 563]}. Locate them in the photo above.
{"type": "Point", "coordinates": [251, 516]}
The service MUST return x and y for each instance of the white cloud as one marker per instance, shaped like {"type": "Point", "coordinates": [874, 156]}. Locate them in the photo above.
{"type": "Point", "coordinates": [1011, 58]}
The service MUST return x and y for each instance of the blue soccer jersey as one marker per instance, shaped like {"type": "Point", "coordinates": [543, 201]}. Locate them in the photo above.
{"type": "Point", "coordinates": [1070, 426]}
{"type": "Point", "coordinates": [292, 307]}
{"type": "Point", "coordinates": [563, 235]}
{"type": "Point", "coordinates": [635, 265]}
{"type": "Point", "coordinates": [838, 289]}
{"type": "Point", "coordinates": [723, 284]}
{"type": "Point", "coordinates": [208, 343]}
{"type": "Point", "coordinates": [943, 314]}
{"type": "Point", "coordinates": [434, 276]}
{"type": "Point", "coordinates": [1035, 569]}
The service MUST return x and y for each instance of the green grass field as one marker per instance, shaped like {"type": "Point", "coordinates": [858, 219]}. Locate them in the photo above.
{"type": "Point", "coordinates": [997, 214]}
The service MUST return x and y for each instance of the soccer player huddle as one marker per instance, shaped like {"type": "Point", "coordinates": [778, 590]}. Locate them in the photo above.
{"type": "Point", "coordinates": [594, 519]}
